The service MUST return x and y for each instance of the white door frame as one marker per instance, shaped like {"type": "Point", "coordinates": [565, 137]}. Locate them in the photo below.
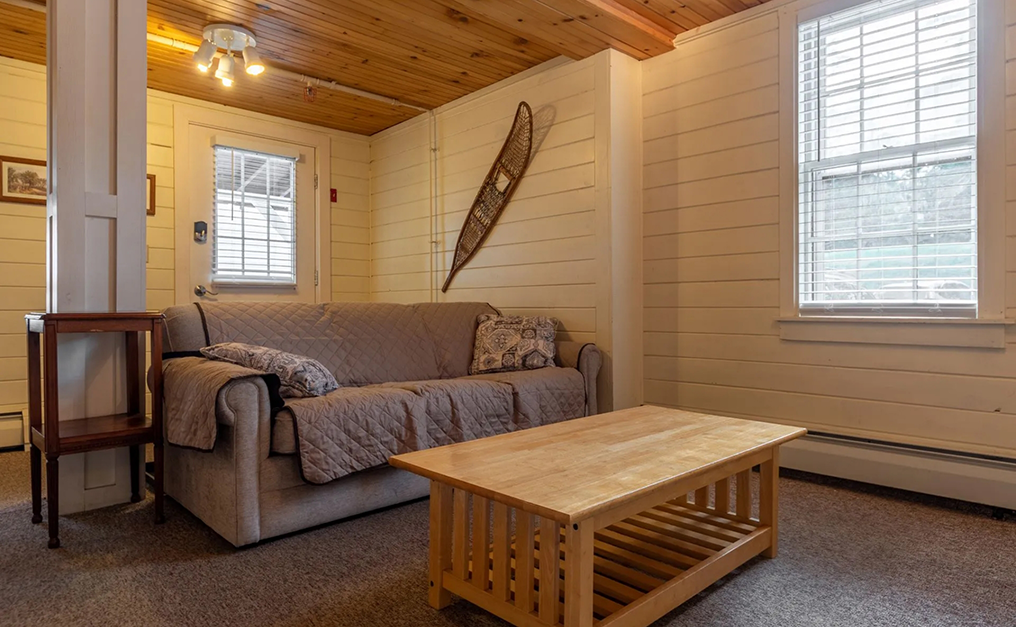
{"type": "Point", "coordinates": [184, 116]}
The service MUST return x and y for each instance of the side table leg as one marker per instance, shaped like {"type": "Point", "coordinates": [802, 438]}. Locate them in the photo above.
{"type": "Point", "coordinates": [160, 513]}
{"type": "Point", "coordinates": [36, 485]}
{"type": "Point", "coordinates": [53, 500]}
{"type": "Point", "coordinates": [440, 542]}
{"type": "Point", "coordinates": [135, 474]}
{"type": "Point", "coordinates": [769, 500]}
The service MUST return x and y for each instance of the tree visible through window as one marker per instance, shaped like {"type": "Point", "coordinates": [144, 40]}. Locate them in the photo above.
{"type": "Point", "coordinates": [254, 227]}
{"type": "Point", "coordinates": [887, 139]}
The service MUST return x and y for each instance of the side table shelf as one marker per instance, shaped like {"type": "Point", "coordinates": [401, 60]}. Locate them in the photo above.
{"type": "Point", "coordinates": [53, 437]}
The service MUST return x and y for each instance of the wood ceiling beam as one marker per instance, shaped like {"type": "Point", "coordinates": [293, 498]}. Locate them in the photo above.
{"type": "Point", "coordinates": [624, 28]}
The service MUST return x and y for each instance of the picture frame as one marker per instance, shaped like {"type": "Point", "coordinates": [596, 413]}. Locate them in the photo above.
{"type": "Point", "coordinates": [23, 180]}
{"type": "Point", "coordinates": [150, 198]}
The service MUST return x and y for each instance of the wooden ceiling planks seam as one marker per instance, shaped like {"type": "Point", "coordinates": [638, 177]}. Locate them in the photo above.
{"type": "Point", "coordinates": [422, 52]}
{"type": "Point", "coordinates": [301, 49]}
{"type": "Point", "coordinates": [387, 26]}
{"type": "Point", "coordinates": [171, 71]}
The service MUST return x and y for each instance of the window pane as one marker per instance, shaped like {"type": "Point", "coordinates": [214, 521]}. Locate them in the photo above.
{"type": "Point", "coordinates": [887, 145]}
{"type": "Point", "coordinates": [254, 223]}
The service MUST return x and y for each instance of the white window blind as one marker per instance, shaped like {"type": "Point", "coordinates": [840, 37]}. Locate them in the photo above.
{"type": "Point", "coordinates": [887, 139]}
{"type": "Point", "coordinates": [254, 223]}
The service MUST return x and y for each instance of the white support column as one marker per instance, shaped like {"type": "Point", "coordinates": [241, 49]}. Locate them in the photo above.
{"type": "Point", "coordinates": [96, 75]}
{"type": "Point", "coordinates": [618, 144]}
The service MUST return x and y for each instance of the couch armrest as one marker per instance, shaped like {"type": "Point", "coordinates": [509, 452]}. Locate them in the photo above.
{"type": "Point", "coordinates": [222, 486]}
{"type": "Point", "coordinates": [586, 358]}
{"type": "Point", "coordinates": [193, 384]}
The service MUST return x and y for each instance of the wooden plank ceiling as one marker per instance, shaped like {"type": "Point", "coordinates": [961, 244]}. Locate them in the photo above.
{"type": "Point", "coordinates": [422, 52]}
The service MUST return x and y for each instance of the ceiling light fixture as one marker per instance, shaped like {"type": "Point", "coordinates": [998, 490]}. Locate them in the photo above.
{"type": "Point", "coordinates": [231, 39]}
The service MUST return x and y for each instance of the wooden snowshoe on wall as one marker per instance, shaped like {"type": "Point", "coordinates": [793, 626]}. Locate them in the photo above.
{"type": "Point", "coordinates": [496, 190]}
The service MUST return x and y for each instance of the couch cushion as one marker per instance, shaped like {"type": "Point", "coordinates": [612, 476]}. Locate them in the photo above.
{"type": "Point", "coordinates": [453, 327]}
{"type": "Point", "coordinates": [543, 396]}
{"type": "Point", "coordinates": [461, 409]}
{"type": "Point", "coordinates": [507, 343]}
{"type": "Point", "coordinates": [298, 375]}
{"type": "Point", "coordinates": [360, 343]}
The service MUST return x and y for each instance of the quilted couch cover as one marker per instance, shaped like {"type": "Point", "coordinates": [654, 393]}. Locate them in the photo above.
{"type": "Point", "coordinates": [404, 376]}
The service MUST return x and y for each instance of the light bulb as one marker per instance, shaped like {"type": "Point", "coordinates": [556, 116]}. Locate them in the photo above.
{"type": "Point", "coordinates": [252, 61]}
{"type": "Point", "coordinates": [204, 54]}
{"type": "Point", "coordinates": [225, 70]}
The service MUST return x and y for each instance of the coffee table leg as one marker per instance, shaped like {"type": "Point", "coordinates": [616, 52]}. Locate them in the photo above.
{"type": "Point", "coordinates": [769, 500]}
{"type": "Point", "coordinates": [578, 576]}
{"type": "Point", "coordinates": [440, 542]}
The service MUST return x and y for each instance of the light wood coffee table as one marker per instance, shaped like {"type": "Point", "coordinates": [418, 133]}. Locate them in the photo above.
{"type": "Point", "coordinates": [603, 520]}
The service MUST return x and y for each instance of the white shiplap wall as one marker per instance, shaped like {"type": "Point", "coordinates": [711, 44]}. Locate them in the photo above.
{"type": "Point", "coordinates": [711, 247]}
{"type": "Point", "coordinates": [22, 227]}
{"type": "Point", "coordinates": [23, 233]}
{"type": "Point", "coordinates": [540, 258]}
{"type": "Point", "coordinates": [350, 213]}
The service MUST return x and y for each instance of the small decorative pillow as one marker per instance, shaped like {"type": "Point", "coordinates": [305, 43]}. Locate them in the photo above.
{"type": "Point", "coordinates": [513, 343]}
{"type": "Point", "coordinates": [300, 376]}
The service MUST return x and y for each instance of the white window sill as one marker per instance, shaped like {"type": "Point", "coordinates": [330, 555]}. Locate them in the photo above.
{"type": "Point", "coordinates": [955, 332]}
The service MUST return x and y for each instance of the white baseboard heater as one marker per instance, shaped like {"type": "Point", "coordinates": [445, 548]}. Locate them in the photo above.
{"type": "Point", "coordinates": [952, 474]}
{"type": "Point", "coordinates": [12, 431]}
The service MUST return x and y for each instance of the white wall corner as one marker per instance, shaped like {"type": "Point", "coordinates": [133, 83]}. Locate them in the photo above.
{"type": "Point", "coordinates": [626, 227]}
{"type": "Point", "coordinates": [618, 141]}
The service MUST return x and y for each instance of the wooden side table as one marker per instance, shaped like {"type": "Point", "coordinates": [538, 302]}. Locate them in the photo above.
{"type": "Point", "coordinates": [54, 437]}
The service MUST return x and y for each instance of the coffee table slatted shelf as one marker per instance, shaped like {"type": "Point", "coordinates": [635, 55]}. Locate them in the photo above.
{"type": "Point", "coordinates": [664, 545]}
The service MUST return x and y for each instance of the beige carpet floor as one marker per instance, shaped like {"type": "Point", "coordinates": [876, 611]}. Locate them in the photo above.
{"type": "Point", "coordinates": [850, 555]}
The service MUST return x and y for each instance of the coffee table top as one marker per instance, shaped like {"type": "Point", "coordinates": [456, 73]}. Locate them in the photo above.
{"type": "Point", "coordinates": [572, 470]}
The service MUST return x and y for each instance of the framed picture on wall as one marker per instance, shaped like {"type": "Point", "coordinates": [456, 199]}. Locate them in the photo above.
{"type": "Point", "coordinates": [150, 197]}
{"type": "Point", "coordinates": [23, 180]}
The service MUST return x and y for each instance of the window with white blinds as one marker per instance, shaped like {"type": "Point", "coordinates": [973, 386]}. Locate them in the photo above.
{"type": "Point", "coordinates": [254, 222]}
{"type": "Point", "coordinates": [887, 140]}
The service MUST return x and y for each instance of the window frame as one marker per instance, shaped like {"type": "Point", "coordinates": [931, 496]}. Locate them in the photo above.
{"type": "Point", "coordinates": [987, 329]}
{"type": "Point", "coordinates": [224, 279]}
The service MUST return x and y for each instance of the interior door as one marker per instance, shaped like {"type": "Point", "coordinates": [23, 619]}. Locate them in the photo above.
{"type": "Point", "coordinates": [221, 237]}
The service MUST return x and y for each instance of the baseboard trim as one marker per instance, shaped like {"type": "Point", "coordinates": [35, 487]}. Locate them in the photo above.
{"type": "Point", "coordinates": [976, 480]}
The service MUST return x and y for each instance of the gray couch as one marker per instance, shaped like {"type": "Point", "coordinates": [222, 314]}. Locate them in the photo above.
{"type": "Point", "coordinates": [250, 487]}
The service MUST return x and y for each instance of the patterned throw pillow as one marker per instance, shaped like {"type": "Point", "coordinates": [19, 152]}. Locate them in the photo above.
{"type": "Point", "coordinates": [506, 343]}
{"type": "Point", "coordinates": [300, 376]}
